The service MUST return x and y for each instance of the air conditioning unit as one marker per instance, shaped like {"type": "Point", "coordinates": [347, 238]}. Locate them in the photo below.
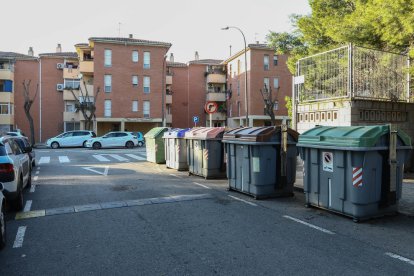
{"type": "Point", "coordinates": [59, 87]}
{"type": "Point", "coordinates": [60, 66]}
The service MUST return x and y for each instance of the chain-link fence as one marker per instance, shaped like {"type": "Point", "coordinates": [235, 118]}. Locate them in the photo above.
{"type": "Point", "coordinates": [353, 72]}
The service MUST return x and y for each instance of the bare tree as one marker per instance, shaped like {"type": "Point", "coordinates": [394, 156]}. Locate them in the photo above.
{"type": "Point", "coordinates": [27, 105]}
{"type": "Point", "coordinates": [86, 104]}
{"type": "Point", "coordinates": [269, 103]}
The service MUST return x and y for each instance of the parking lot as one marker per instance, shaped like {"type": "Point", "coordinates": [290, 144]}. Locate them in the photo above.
{"type": "Point", "coordinates": [111, 212]}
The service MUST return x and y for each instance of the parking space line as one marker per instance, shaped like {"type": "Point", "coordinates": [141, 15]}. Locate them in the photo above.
{"type": "Point", "coordinates": [33, 188]}
{"type": "Point", "coordinates": [101, 158]}
{"type": "Point", "coordinates": [401, 258]}
{"type": "Point", "coordinates": [137, 157]}
{"type": "Point", "coordinates": [242, 200]}
{"type": "Point", "coordinates": [118, 157]}
{"type": "Point", "coordinates": [175, 175]}
{"type": "Point", "coordinates": [310, 225]}
{"type": "Point", "coordinates": [44, 160]}
{"type": "Point", "coordinates": [35, 178]}
{"type": "Point", "coordinates": [27, 206]}
{"type": "Point", "coordinates": [18, 242]}
{"type": "Point", "coordinates": [64, 159]}
{"type": "Point", "coordinates": [201, 185]}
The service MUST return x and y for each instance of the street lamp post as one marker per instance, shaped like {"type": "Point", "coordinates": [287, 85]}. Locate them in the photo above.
{"type": "Point", "coordinates": [246, 101]}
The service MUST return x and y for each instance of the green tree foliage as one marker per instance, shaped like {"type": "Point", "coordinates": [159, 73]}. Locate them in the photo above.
{"type": "Point", "coordinates": [288, 105]}
{"type": "Point", "coordinates": [381, 24]}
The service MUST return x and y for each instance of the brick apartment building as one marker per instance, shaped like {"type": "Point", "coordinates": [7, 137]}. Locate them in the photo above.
{"type": "Point", "coordinates": [138, 88]}
{"type": "Point", "coordinates": [264, 67]}
{"type": "Point", "coordinates": [194, 84]}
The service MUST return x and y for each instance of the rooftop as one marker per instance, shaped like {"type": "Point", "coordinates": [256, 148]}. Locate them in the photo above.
{"type": "Point", "coordinates": [132, 41]}
{"type": "Point", "coordinates": [13, 55]}
{"type": "Point", "coordinates": [176, 64]}
{"type": "Point", "coordinates": [253, 46]}
{"type": "Point", "coordinates": [60, 55]}
{"type": "Point", "coordinates": [206, 61]}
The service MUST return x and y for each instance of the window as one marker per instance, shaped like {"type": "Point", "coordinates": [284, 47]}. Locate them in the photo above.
{"type": "Point", "coordinates": [230, 70]}
{"type": "Point", "coordinates": [134, 80]}
{"type": "Point", "coordinates": [238, 67]}
{"type": "Point", "coordinates": [266, 62]}
{"type": "Point", "coordinates": [231, 110]}
{"type": "Point", "coordinates": [71, 126]}
{"type": "Point", "coordinates": [71, 84]}
{"type": "Point", "coordinates": [147, 83]}
{"type": "Point", "coordinates": [70, 107]}
{"type": "Point", "coordinates": [266, 83]}
{"type": "Point", "coordinates": [134, 106]}
{"type": "Point", "coordinates": [275, 59]}
{"type": "Point", "coordinates": [5, 109]}
{"type": "Point", "coordinates": [108, 108]}
{"type": "Point", "coordinates": [276, 83]}
{"type": "Point", "coordinates": [108, 58]}
{"type": "Point", "coordinates": [146, 108]}
{"type": "Point", "coordinates": [276, 106]}
{"type": "Point", "coordinates": [238, 109]}
{"type": "Point", "coordinates": [238, 87]}
{"type": "Point", "coordinates": [134, 56]}
{"type": "Point", "coordinates": [147, 60]}
{"type": "Point", "coordinates": [108, 83]}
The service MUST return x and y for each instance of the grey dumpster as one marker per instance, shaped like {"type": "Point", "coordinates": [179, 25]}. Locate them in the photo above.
{"type": "Point", "coordinates": [347, 169]}
{"type": "Point", "coordinates": [176, 149]}
{"type": "Point", "coordinates": [205, 152]}
{"type": "Point", "coordinates": [254, 164]}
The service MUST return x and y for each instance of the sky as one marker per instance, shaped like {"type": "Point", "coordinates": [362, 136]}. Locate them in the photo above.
{"type": "Point", "coordinates": [189, 25]}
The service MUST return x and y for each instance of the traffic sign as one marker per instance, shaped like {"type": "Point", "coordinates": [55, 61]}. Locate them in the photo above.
{"type": "Point", "coordinates": [210, 107]}
{"type": "Point", "coordinates": [196, 119]}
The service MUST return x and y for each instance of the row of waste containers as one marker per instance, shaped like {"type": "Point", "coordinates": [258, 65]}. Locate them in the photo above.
{"type": "Point", "coordinates": [356, 171]}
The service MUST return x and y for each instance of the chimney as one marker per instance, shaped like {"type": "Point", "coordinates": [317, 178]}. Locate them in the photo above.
{"type": "Point", "coordinates": [196, 55]}
{"type": "Point", "coordinates": [171, 57]}
{"type": "Point", "coordinates": [59, 48]}
{"type": "Point", "coordinates": [30, 52]}
{"type": "Point", "coordinates": [131, 36]}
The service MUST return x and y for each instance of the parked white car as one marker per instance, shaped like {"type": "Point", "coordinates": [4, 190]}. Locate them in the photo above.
{"type": "Point", "coordinates": [2, 218]}
{"type": "Point", "coordinates": [113, 139]}
{"type": "Point", "coordinates": [76, 138]}
{"type": "Point", "coordinates": [15, 170]}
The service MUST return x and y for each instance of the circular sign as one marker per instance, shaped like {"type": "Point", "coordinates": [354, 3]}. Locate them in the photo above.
{"type": "Point", "coordinates": [210, 107]}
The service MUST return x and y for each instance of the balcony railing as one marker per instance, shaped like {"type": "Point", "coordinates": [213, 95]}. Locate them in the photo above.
{"type": "Point", "coordinates": [216, 78]}
{"type": "Point", "coordinates": [168, 99]}
{"type": "Point", "coordinates": [168, 80]}
{"type": "Point", "coordinates": [71, 116]}
{"type": "Point", "coordinates": [168, 118]}
{"type": "Point", "coordinates": [68, 96]}
{"type": "Point", "coordinates": [86, 66]}
{"type": "Point", "coordinates": [216, 96]}
{"type": "Point", "coordinates": [70, 73]}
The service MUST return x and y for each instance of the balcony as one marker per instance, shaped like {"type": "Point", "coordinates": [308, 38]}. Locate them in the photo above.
{"type": "Point", "coordinates": [6, 97]}
{"type": "Point", "coordinates": [168, 99]}
{"type": "Point", "coordinates": [216, 78]}
{"type": "Point", "coordinates": [6, 119]}
{"type": "Point", "coordinates": [68, 96]}
{"type": "Point", "coordinates": [71, 73]}
{"type": "Point", "coordinates": [168, 118]}
{"type": "Point", "coordinates": [216, 96]}
{"type": "Point", "coordinates": [6, 74]}
{"type": "Point", "coordinates": [168, 80]}
{"type": "Point", "coordinates": [86, 67]}
{"type": "Point", "coordinates": [71, 116]}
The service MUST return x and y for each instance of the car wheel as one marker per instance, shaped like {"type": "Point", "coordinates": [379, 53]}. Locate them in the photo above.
{"type": "Point", "coordinates": [140, 144]}
{"type": "Point", "coordinates": [55, 145]}
{"type": "Point", "coordinates": [29, 181]}
{"type": "Point", "coordinates": [17, 203]}
{"type": "Point", "coordinates": [2, 227]}
{"type": "Point", "coordinates": [129, 144]}
{"type": "Point", "coordinates": [96, 145]}
{"type": "Point", "coordinates": [33, 163]}
{"type": "Point", "coordinates": [84, 144]}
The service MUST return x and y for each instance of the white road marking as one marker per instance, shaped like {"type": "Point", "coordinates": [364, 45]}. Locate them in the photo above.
{"type": "Point", "coordinates": [27, 206]}
{"type": "Point", "coordinates": [137, 157]}
{"type": "Point", "coordinates": [64, 159]}
{"type": "Point", "coordinates": [310, 225]}
{"type": "Point", "coordinates": [117, 157]}
{"type": "Point", "coordinates": [35, 178]}
{"type": "Point", "coordinates": [101, 158]}
{"type": "Point", "coordinates": [44, 160]}
{"type": "Point", "coordinates": [33, 188]}
{"type": "Point", "coordinates": [175, 175]}
{"type": "Point", "coordinates": [18, 242]}
{"type": "Point", "coordinates": [204, 186]}
{"type": "Point", "coordinates": [242, 200]}
{"type": "Point", "coordinates": [401, 258]}
{"type": "Point", "coordinates": [93, 169]}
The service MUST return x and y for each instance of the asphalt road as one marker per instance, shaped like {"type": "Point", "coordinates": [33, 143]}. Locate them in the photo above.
{"type": "Point", "coordinates": [125, 216]}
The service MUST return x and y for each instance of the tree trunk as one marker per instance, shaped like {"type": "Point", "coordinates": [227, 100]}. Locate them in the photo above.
{"type": "Point", "coordinates": [31, 125]}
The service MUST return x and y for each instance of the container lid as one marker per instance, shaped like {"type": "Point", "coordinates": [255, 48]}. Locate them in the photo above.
{"type": "Point", "coordinates": [258, 135]}
{"type": "Point", "coordinates": [205, 133]}
{"type": "Point", "coordinates": [350, 137]}
{"type": "Point", "coordinates": [176, 133]}
{"type": "Point", "coordinates": [155, 132]}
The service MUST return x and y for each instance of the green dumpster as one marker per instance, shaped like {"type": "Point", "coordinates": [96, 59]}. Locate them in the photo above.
{"type": "Point", "coordinates": [155, 145]}
{"type": "Point", "coordinates": [356, 171]}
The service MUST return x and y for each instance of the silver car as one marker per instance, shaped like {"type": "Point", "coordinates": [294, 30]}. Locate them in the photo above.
{"type": "Point", "coordinates": [2, 218]}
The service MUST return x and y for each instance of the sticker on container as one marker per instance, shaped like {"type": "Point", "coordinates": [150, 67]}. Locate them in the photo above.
{"type": "Point", "coordinates": [357, 177]}
{"type": "Point", "coordinates": [327, 161]}
{"type": "Point", "coordinates": [256, 164]}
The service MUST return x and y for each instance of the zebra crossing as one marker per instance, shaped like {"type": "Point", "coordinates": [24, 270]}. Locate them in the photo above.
{"type": "Point", "coordinates": [128, 157]}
